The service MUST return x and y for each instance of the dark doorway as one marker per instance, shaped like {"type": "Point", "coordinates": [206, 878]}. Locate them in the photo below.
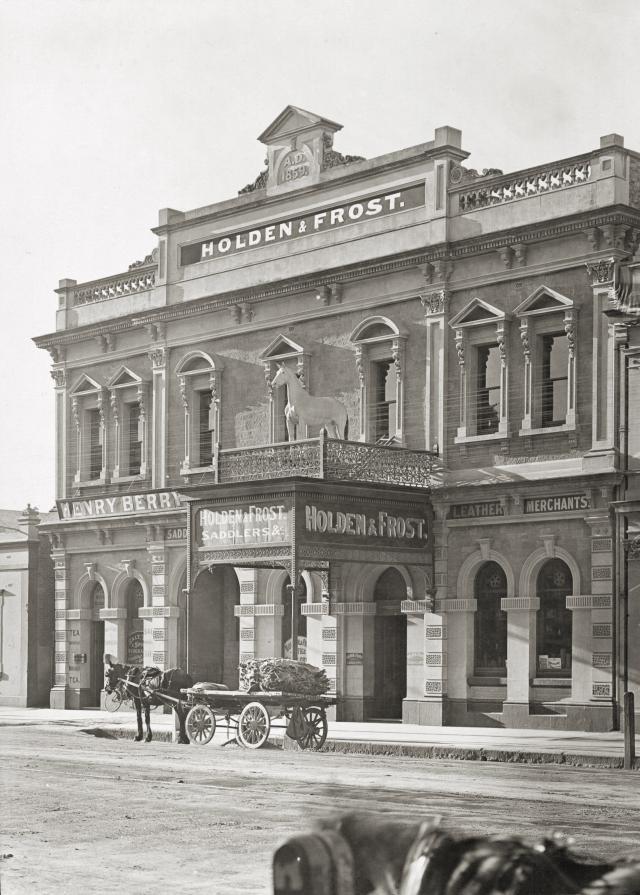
{"type": "Point", "coordinates": [390, 646]}
{"type": "Point", "coordinates": [214, 636]}
{"type": "Point", "coordinates": [96, 657]}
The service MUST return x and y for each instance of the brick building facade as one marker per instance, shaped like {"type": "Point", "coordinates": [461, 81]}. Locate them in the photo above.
{"type": "Point", "coordinates": [451, 560]}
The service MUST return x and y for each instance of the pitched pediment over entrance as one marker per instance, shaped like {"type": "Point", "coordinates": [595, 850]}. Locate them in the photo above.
{"type": "Point", "coordinates": [543, 301]}
{"type": "Point", "coordinates": [476, 313]}
{"type": "Point", "coordinates": [293, 121]}
{"type": "Point", "coordinates": [282, 347]}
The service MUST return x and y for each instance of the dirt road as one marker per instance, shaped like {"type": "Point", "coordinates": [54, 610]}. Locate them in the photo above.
{"type": "Point", "coordinates": [86, 815]}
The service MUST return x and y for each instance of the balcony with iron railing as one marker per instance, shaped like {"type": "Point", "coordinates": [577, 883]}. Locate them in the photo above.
{"type": "Point", "coordinates": [329, 459]}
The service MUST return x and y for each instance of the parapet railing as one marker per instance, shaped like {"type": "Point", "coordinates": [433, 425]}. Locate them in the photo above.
{"type": "Point", "coordinates": [327, 458]}
{"type": "Point", "coordinates": [133, 281]}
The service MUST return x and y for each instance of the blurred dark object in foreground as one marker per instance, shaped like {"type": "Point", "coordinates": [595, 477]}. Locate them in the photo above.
{"type": "Point", "coordinates": [360, 854]}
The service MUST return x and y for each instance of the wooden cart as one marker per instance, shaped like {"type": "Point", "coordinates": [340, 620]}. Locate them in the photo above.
{"type": "Point", "coordinates": [250, 716]}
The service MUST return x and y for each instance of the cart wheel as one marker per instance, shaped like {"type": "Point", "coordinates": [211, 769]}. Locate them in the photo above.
{"type": "Point", "coordinates": [254, 725]}
{"type": "Point", "coordinates": [112, 701]}
{"type": "Point", "coordinates": [316, 728]}
{"type": "Point", "coordinates": [200, 725]}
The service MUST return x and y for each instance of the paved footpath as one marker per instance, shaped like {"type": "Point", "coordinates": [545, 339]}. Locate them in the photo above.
{"type": "Point", "coordinates": [411, 740]}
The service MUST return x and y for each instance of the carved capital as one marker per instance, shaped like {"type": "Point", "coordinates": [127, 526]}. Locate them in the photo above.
{"type": "Point", "coordinates": [91, 570]}
{"type": "Point", "coordinates": [157, 357]}
{"type": "Point", "coordinates": [58, 353]}
{"type": "Point", "coordinates": [601, 272]}
{"type": "Point", "coordinates": [59, 377]}
{"type": "Point", "coordinates": [434, 302]}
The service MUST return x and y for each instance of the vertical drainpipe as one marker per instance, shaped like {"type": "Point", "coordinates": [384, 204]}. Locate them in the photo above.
{"type": "Point", "coordinates": [187, 589]}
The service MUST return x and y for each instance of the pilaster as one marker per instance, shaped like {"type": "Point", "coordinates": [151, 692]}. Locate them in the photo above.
{"type": "Point", "coordinates": [58, 695]}
{"type": "Point", "coordinates": [248, 580]}
{"type": "Point", "coordinates": [435, 309]}
{"type": "Point", "coordinates": [59, 376]}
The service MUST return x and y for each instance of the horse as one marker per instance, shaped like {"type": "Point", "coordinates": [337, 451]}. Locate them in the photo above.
{"type": "Point", "coordinates": [147, 686]}
{"type": "Point", "coordinates": [302, 408]}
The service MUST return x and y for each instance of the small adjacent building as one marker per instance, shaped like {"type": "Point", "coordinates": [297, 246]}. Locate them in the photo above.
{"type": "Point", "coordinates": [26, 609]}
{"type": "Point", "coordinates": [451, 556]}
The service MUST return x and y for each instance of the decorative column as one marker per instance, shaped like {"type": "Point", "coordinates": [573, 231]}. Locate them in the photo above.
{"type": "Point", "coordinates": [59, 376]}
{"type": "Point", "coordinates": [362, 379]}
{"type": "Point", "coordinates": [248, 579]}
{"type": "Point", "coordinates": [75, 414]}
{"type": "Point", "coordinates": [501, 334]}
{"type": "Point", "coordinates": [157, 356]}
{"type": "Point", "coordinates": [525, 338]}
{"type": "Point", "coordinates": [463, 385]}
{"type": "Point", "coordinates": [160, 618]}
{"type": "Point", "coordinates": [435, 306]}
{"type": "Point", "coordinates": [570, 326]}
{"type": "Point", "coordinates": [592, 654]}
{"type": "Point", "coordinates": [58, 695]}
{"type": "Point", "coordinates": [184, 394]}
{"type": "Point", "coordinates": [521, 656]}
{"type": "Point", "coordinates": [102, 411]}
{"type": "Point", "coordinates": [355, 644]}
{"type": "Point", "coordinates": [601, 274]}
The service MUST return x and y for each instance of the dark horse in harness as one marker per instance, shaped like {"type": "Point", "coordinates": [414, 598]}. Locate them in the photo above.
{"type": "Point", "coordinates": [148, 687]}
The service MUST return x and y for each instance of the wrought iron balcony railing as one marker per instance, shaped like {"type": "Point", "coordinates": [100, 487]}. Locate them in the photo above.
{"type": "Point", "coordinates": [330, 459]}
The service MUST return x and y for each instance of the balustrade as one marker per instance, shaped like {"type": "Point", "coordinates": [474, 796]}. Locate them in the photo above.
{"type": "Point", "coordinates": [534, 183]}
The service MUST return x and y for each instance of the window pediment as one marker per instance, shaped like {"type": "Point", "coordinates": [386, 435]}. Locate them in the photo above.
{"type": "Point", "coordinates": [375, 329]}
{"type": "Point", "coordinates": [282, 347]}
{"type": "Point", "coordinates": [197, 362]}
{"type": "Point", "coordinates": [543, 301]}
{"type": "Point", "coordinates": [477, 313]}
{"type": "Point", "coordinates": [123, 378]}
{"type": "Point", "coordinates": [85, 385]}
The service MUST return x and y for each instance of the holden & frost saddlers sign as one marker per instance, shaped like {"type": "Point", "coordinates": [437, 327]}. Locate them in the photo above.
{"type": "Point", "coordinates": [328, 218]}
{"type": "Point", "coordinates": [119, 505]}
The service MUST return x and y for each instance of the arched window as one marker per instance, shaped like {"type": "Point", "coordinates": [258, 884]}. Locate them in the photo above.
{"type": "Point", "coordinates": [380, 351]}
{"type": "Point", "coordinates": [301, 597]}
{"type": "Point", "coordinates": [554, 584]}
{"type": "Point", "coordinates": [490, 621]}
{"type": "Point", "coordinates": [97, 597]}
{"type": "Point", "coordinates": [135, 625]}
{"type": "Point", "coordinates": [199, 382]}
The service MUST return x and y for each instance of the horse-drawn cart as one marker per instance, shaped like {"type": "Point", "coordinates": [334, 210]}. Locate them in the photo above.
{"type": "Point", "coordinates": [250, 716]}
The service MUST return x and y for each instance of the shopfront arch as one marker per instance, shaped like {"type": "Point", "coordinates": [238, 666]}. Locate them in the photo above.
{"type": "Point", "coordinates": [213, 630]}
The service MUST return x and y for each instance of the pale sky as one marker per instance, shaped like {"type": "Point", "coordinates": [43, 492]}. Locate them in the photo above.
{"type": "Point", "coordinates": [113, 109]}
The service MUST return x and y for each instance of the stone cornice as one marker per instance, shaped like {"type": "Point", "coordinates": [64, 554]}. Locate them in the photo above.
{"type": "Point", "coordinates": [620, 215]}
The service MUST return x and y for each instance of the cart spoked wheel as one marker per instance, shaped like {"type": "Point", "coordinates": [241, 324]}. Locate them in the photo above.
{"type": "Point", "coordinates": [200, 725]}
{"type": "Point", "coordinates": [112, 701]}
{"type": "Point", "coordinates": [316, 728]}
{"type": "Point", "coordinates": [254, 725]}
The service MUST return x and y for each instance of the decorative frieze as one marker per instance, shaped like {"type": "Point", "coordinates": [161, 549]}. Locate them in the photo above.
{"type": "Point", "coordinates": [536, 183]}
{"type": "Point", "coordinates": [158, 658]}
{"type": "Point", "coordinates": [114, 288]}
{"type": "Point", "coordinates": [530, 604]}
{"type": "Point", "coordinates": [601, 630]}
{"type": "Point", "coordinates": [247, 634]}
{"type": "Point", "coordinates": [435, 632]}
{"type": "Point", "coordinates": [328, 658]}
{"type": "Point", "coordinates": [435, 659]}
{"type": "Point", "coordinates": [315, 608]}
{"type": "Point", "coordinates": [601, 573]}
{"type": "Point", "coordinates": [434, 687]}
{"type": "Point", "coordinates": [601, 660]}
{"type": "Point", "coordinates": [254, 609]}
{"type": "Point", "coordinates": [158, 634]}
{"type": "Point", "coordinates": [589, 601]}
{"type": "Point", "coordinates": [415, 607]}
{"type": "Point", "coordinates": [329, 633]}
{"type": "Point", "coordinates": [456, 605]}
{"type": "Point", "coordinates": [354, 608]}
{"type": "Point", "coordinates": [601, 691]}
{"type": "Point", "coordinates": [601, 545]}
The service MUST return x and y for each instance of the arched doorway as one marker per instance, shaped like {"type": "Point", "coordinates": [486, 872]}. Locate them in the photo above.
{"type": "Point", "coordinates": [301, 597]}
{"type": "Point", "coordinates": [214, 630]}
{"type": "Point", "coordinates": [554, 633]}
{"type": "Point", "coordinates": [490, 653]}
{"type": "Point", "coordinates": [96, 669]}
{"type": "Point", "coordinates": [390, 646]}
{"type": "Point", "coordinates": [134, 601]}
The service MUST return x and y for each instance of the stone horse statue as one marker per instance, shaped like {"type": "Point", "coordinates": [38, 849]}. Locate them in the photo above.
{"type": "Point", "coordinates": [149, 686]}
{"type": "Point", "coordinates": [305, 409]}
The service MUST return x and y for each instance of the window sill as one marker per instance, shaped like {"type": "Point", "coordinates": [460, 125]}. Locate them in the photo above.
{"type": "Point", "coordinates": [195, 470]}
{"type": "Point", "coordinates": [488, 681]}
{"type": "Point", "coordinates": [564, 682]}
{"type": "Point", "coordinates": [547, 430]}
{"type": "Point", "coordinates": [90, 483]}
{"type": "Point", "coordinates": [470, 439]}
{"type": "Point", "coordinates": [129, 478]}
